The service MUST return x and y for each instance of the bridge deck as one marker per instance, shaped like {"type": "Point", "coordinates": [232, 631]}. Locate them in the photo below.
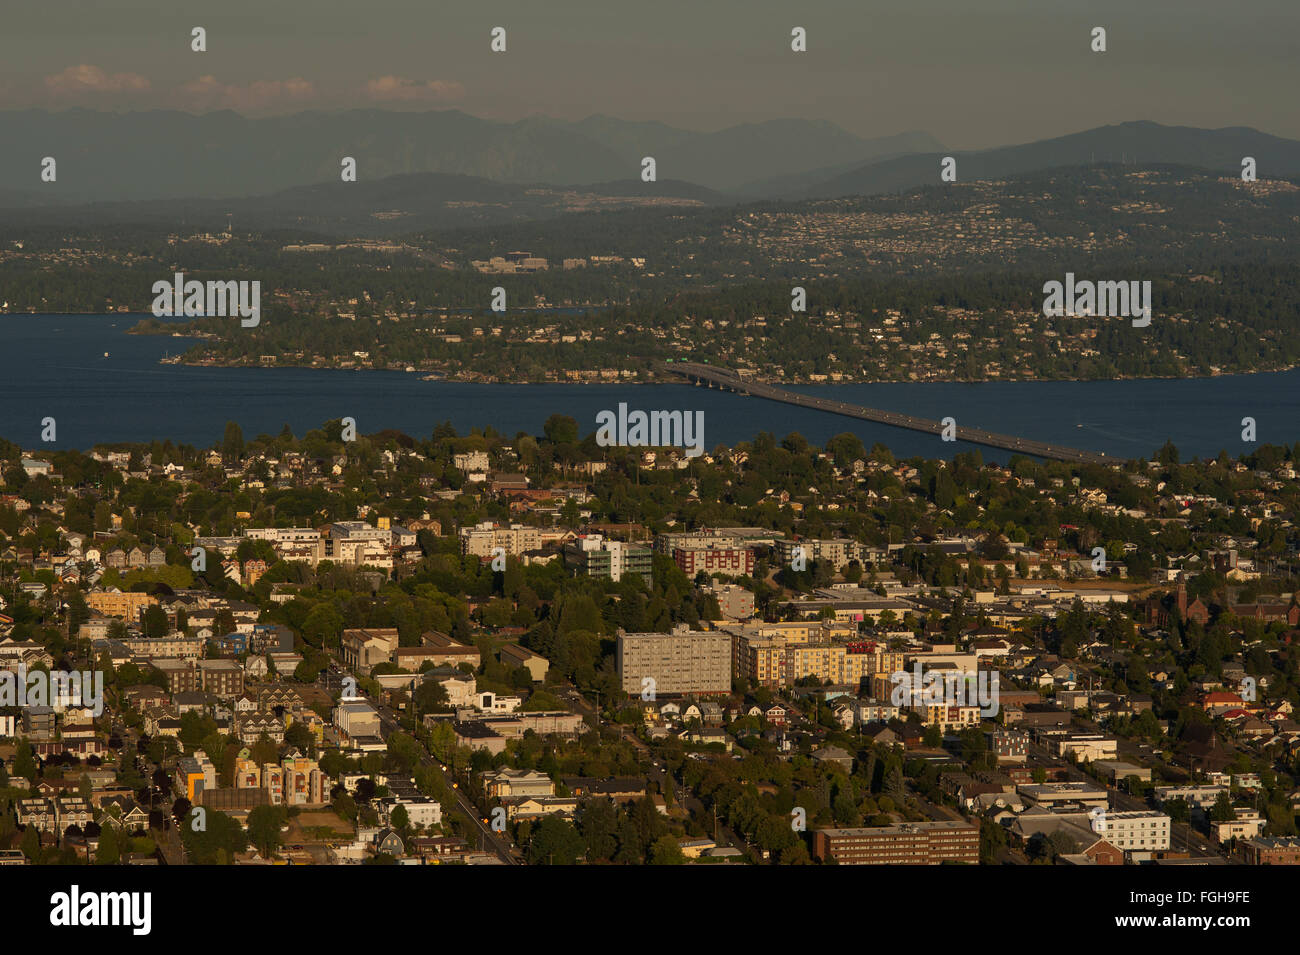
{"type": "Point", "coordinates": [728, 379]}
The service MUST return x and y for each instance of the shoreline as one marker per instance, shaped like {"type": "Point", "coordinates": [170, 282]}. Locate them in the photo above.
{"type": "Point", "coordinates": [434, 375]}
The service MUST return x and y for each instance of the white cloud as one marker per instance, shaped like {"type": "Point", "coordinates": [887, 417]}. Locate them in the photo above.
{"type": "Point", "coordinates": [86, 78]}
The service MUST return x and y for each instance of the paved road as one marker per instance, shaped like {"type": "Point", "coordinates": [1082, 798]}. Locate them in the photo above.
{"type": "Point", "coordinates": [1182, 837]}
{"type": "Point", "coordinates": [492, 840]}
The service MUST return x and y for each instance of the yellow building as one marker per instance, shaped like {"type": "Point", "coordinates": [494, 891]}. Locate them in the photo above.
{"type": "Point", "coordinates": [115, 603]}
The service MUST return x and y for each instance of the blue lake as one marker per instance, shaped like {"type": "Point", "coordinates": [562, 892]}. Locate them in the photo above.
{"type": "Point", "coordinates": [54, 366]}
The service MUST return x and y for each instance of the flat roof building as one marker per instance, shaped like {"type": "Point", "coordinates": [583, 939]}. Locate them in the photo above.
{"type": "Point", "coordinates": [911, 843]}
{"type": "Point", "coordinates": [684, 661]}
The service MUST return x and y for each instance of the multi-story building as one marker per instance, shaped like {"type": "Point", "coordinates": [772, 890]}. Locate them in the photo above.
{"type": "Point", "coordinates": [175, 645]}
{"type": "Point", "coordinates": [1246, 824]}
{"type": "Point", "coordinates": [593, 556]}
{"type": "Point", "coordinates": [683, 661]}
{"type": "Point", "coordinates": [421, 811]}
{"type": "Point", "coordinates": [253, 727]}
{"type": "Point", "coordinates": [125, 605]}
{"type": "Point", "coordinates": [300, 781]}
{"type": "Point", "coordinates": [1065, 796]}
{"type": "Point", "coordinates": [284, 535]}
{"type": "Point", "coordinates": [40, 812]}
{"type": "Point", "coordinates": [364, 648]}
{"type": "Point", "coordinates": [839, 553]}
{"type": "Point", "coordinates": [182, 675]}
{"type": "Point", "coordinates": [1089, 747]}
{"type": "Point", "coordinates": [777, 654]}
{"type": "Point", "coordinates": [482, 539]}
{"type": "Point", "coordinates": [1136, 830]}
{"type": "Point", "coordinates": [735, 602]}
{"type": "Point", "coordinates": [74, 811]}
{"type": "Point", "coordinates": [304, 544]}
{"type": "Point", "coordinates": [437, 648]}
{"type": "Point", "coordinates": [948, 717]}
{"type": "Point", "coordinates": [504, 783]}
{"type": "Point", "coordinates": [194, 774]}
{"type": "Point", "coordinates": [38, 722]}
{"type": "Point", "coordinates": [356, 718]}
{"type": "Point", "coordinates": [1009, 746]}
{"type": "Point", "coordinates": [912, 843]}
{"type": "Point", "coordinates": [1271, 850]}
{"type": "Point", "coordinates": [248, 775]}
{"type": "Point", "coordinates": [222, 678]}
{"type": "Point", "coordinates": [1198, 798]}
{"type": "Point", "coordinates": [471, 461]}
{"type": "Point", "coordinates": [733, 560]}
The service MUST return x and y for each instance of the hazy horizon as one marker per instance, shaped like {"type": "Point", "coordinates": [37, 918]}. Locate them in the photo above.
{"type": "Point", "coordinates": [1009, 71]}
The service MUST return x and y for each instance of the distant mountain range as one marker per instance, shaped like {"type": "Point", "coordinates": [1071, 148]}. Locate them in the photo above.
{"type": "Point", "coordinates": [171, 155]}
{"type": "Point", "coordinates": [444, 170]}
{"type": "Point", "coordinates": [1142, 143]}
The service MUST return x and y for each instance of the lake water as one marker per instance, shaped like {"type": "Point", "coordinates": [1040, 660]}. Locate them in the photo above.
{"type": "Point", "coordinates": [54, 366]}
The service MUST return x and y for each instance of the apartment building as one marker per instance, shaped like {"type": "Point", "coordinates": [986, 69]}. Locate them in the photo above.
{"type": "Point", "coordinates": [305, 544]}
{"type": "Point", "coordinates": [724, 538]}
{"type": "Point", "coordinates": [777, 654]}
{"type": "Point", "coordinates": [1136, 830]}
{"type": "Point", "coordinates": [182, 675]}
{"type": "Point", "coordinates": [296, 781]}
{"type": "Point", "coordinates": [839, 553]}
{"type": "Point", "coordinates": [222, 678]}
{"type": "Point", "coordinates": [194, 774]}
{"type": "Point", "coordinates": [471, 461]}
{"type": "Point", "coordinates": [913, 843]}
{"type": "Point", "coordinates": [126, 605]}
{"type": "Point", "coordinates": [592, 555]}
{"type": "Point", "coordinates": [735, 602]}
{"type": "Point", "coordinates": [733, 560]}
{"type": "Point", "coordinates": [683, 661]}
{"type": "Point", "coordinates": [482, 539]}
{"type": "Point", "coordinates": [175, 645]}
{"type": "Point", "coordinates": [38, 722]}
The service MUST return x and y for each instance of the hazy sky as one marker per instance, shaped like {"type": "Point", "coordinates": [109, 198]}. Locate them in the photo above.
{"type": "Point", "coordinates": [973, 73]}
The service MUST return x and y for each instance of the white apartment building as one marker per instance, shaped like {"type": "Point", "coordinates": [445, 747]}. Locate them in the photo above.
{"type": "Point", "coordinates": [1136, 830]}
{"type": "Point", "coordinates": [471, 461]}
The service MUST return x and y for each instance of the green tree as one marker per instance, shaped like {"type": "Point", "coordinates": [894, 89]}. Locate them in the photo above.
{"type": "Point", "coordinates": [264, 825]}
{"type": "Point", "coordinates": [25, 761]}
{"type": "Point", "coordinates": [666, 851]}
{"type": "Point", "coordinates": [555, 842]}
{"type": "Point", "coordinates": [108, 852]}
{"type": "Point", "coordinates": [232, 444]}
